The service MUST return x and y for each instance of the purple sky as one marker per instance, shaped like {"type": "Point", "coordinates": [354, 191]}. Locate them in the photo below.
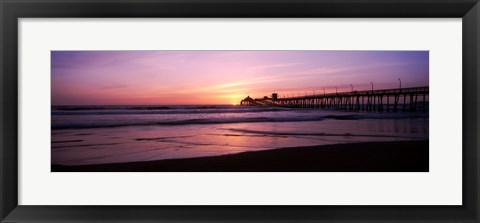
{"type": "Point", "coordinates": [224, 77]}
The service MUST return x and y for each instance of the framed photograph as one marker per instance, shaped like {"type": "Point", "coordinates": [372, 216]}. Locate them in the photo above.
{"type": "Point", "coordinates": [239, 111]}
{"type": "Point", "coordinates": [181, 113]}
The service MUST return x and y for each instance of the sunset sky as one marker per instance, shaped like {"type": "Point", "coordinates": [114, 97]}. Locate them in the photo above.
{"type": "Point", "coordinates": [224, 77]}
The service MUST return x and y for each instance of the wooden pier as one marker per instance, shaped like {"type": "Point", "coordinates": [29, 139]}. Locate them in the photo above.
{"type": "Point", "coordinates": [399, 99]}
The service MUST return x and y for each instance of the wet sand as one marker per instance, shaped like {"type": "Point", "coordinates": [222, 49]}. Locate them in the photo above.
{"type": "Point", "coordinates": [400, 156]}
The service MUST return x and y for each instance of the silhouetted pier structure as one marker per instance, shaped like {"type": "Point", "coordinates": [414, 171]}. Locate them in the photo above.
{"type": "Point", "coordinates": [399, 99]}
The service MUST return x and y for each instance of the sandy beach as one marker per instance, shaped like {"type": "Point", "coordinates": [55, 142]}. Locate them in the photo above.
{"type": "Point", "coordinates": [398, 156]}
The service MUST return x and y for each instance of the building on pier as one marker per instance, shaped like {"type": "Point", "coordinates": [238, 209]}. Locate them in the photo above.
{"type": "Point", "coordinates": [248, 101]}
{"type": "Point", "coordinates": [274, 96]}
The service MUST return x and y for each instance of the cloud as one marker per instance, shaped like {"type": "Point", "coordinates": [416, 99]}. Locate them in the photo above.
{"type": "Point", "coordinates": [113, 86]}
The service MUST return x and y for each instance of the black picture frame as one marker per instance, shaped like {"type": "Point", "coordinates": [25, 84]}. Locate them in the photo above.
{"type": "Point", "coordinates": [12, 10]}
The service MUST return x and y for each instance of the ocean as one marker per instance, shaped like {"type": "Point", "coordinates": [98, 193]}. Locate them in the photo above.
{"type": "Point", "coordinates": [115, 134]}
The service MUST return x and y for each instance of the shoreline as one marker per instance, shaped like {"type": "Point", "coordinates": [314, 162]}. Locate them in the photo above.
{"type": "Point", "coordinates": [396, 156]}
